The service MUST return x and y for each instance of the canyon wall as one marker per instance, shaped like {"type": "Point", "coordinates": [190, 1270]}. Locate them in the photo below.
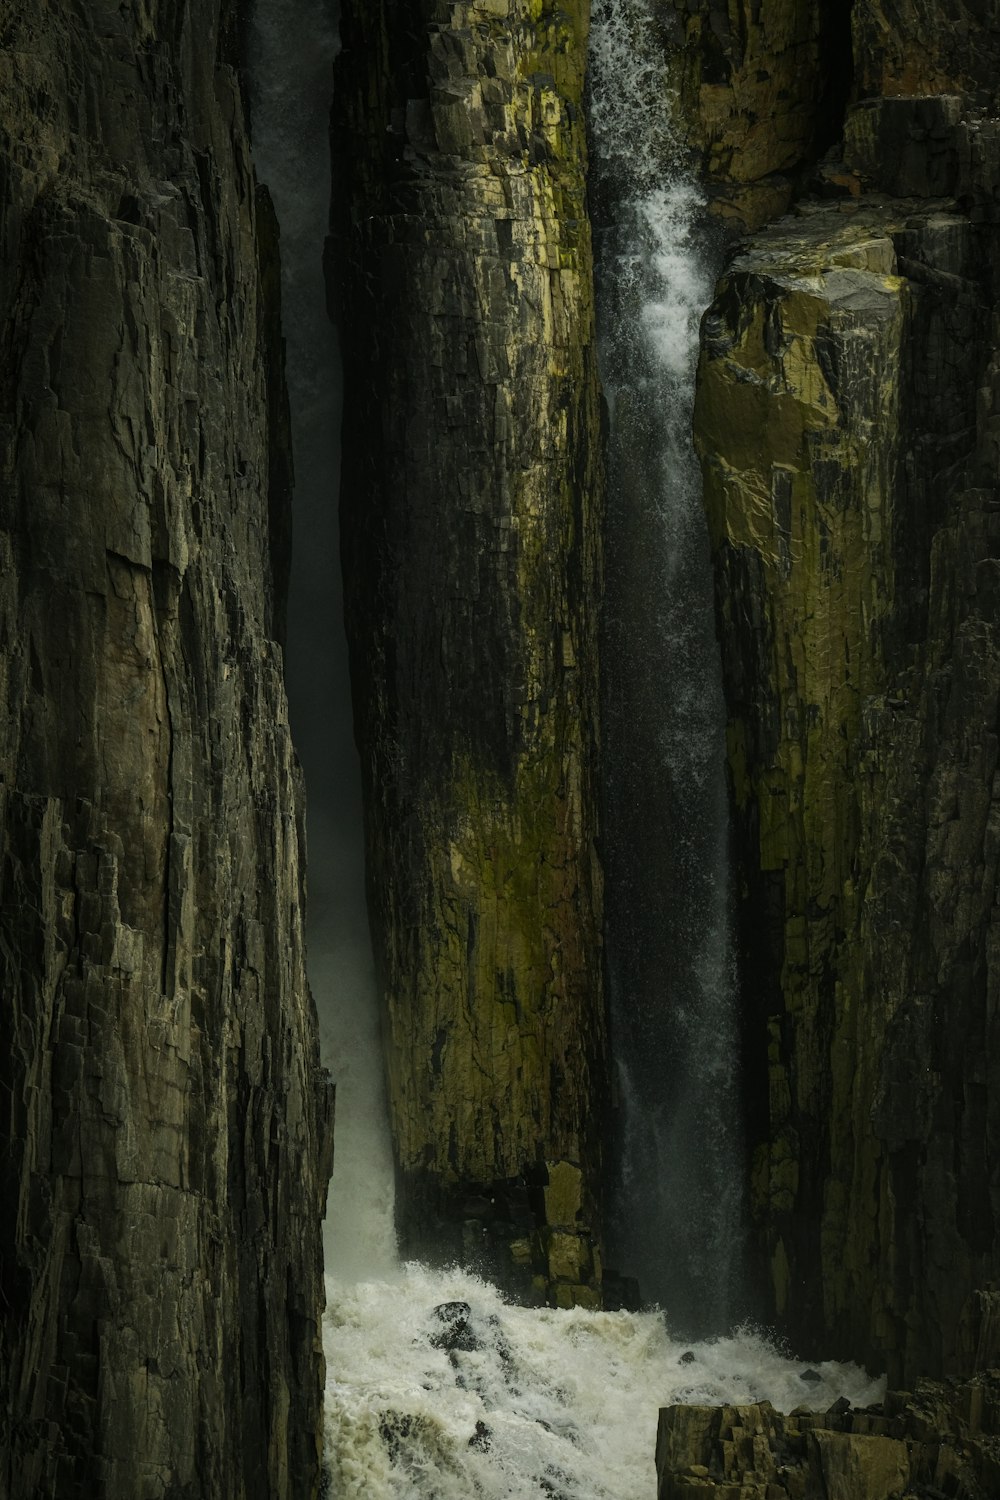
{"type": "Point", "coordinates": [846, 426]}
{"type": "Point", "coordinates": [166, 1127]}
{"type": "Point", "coordinates": [460, 267]}
{"type": "Point", "coordinates": [846, 420]}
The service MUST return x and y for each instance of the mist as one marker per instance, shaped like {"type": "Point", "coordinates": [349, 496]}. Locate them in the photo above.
{"type": "Point", "coordinates": [292, 49]}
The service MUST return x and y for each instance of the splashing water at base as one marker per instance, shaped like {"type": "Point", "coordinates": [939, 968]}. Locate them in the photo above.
{"type": "Point", "coordinates": [438, 1388]}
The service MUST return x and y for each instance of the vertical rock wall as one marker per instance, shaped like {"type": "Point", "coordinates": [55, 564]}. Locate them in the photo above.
{"type": "Point", "coordinates": [164, 1122]}
{"type": "Point", "coordinates": [761, 86]}
{"type": "Point", "coordinates": [846, 419]}
{"type": "Point", "coordinates": [471, 513]}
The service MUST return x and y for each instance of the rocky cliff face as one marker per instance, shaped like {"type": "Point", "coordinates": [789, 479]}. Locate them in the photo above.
{"type": "Point", "coordinates": [165, 1124]}
{"type": "Point", "coordinates": [761, 87]}
{"type": "Point", "coordinates": [846, 421]}
{"type": "Point", "coordinates": [940, 1439]}
{"type": "Point", "coordinates": [471, 516]}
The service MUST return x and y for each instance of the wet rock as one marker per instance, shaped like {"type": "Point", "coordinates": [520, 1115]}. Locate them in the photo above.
{"type": "Point", "coordinates": [761, 87]}
{"type": "Point", "coordinates": [811, 1377]}
{"type": "Point", "coordinates": [399, 1431]}
{"type": "Point", "coordinates": [458, 1333]}
{"type": "Point", "coordinates": [472, 509]}
{"type": "Point", "coordinates": [482, 1438]}
{"type": "Point", "coordinates": [849, 366]}
{"type": "Point", "coordinates": [620, 1293]}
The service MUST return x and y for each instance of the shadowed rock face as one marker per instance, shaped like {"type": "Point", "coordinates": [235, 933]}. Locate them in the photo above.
{"type": "Point", "coordinates": [845, 421]}
{"type": "Point", "coordinates": [936, 1440]}
{"type": "Point", "coordinates": [471, 512]}
{"type": "Point", "coordinates": [165, 1125]}
{"type": "Point", "coordinates": [761, 90]}
{"type": "Point", "coordinates": [915, 47]}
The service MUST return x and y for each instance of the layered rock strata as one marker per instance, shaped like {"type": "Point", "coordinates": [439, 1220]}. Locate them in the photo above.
{"type": "Point", "coordinates": [165, 1125]}
{"type": "Point", "coordinates": [761, 86]}
{"type": "Point", "coordinates": [846, 421]}
{"type": "Point", "coordinates": [461, 267]}
{"type": "Point", "coordinates": [935, 1440]}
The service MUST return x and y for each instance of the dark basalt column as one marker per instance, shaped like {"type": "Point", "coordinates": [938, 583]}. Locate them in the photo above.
{"type": "Point", "coordinates": [471, 512]}
{"type": "Point", "coordinates": [846, 422]}
{"type": "Point", "coordinates": [165, 1125]}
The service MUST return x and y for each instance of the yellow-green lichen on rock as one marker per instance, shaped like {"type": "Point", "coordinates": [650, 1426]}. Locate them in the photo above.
{"type": "Point", "coordinates": [472, 556]}
{"type": "Point", "coordinates": [847, 376]}
{"type": "Point", "coordinates": [797, 425]}
{"type": "Point", "coordinates": [756, 84]}
{"type": "Point", "coordinates": [934, 1438]}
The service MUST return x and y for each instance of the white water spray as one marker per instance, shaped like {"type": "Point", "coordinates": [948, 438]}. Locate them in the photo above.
{"type": "Point", "coordinates": [675, 1034]}
{"type": "Point", "coordinates": [447, 1392]}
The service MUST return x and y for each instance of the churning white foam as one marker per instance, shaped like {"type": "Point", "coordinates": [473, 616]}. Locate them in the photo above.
{"type": "Point", "coordinates": [438, 1388]}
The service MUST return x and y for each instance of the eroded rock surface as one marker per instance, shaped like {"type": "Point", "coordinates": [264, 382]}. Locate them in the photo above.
{"type": "Point", "coordinates": [471, 512]}
{"type": "Point", "coordinates": [761, 88]}
{"type": "Point", "coordinates": [936, 1440]}
{"type": "Point", "coordinates": [846, 424]}
{"type": "Point", "coordinates": [165, 1125]}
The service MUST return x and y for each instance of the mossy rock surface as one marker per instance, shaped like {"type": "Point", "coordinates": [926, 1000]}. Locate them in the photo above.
{"type": "Point", "coordinates": [472, 512]}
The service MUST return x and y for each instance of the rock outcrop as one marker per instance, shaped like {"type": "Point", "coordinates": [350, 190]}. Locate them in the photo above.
{"type": "Point", "coordinates": [471, 517]}
{"type": "Point", "coordinates": [846, 420]}
{"type": "Point", "coordinates": [932, 1441]}
{"type": "Point", "coordinates": [761, 87]}
{"type": "Point", "coordinates": [165, 1125]}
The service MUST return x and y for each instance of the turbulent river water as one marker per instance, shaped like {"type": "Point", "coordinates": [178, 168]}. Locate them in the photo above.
{"type": "Point", "coordinates": [436, 1388]}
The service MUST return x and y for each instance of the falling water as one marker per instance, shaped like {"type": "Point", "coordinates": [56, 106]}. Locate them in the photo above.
{"type": "Point", "coordinates": [436, 1387]}
{"type": "Point", "coordinates": [292, 47]}
{"type": "Point", "coordinates": [670, 961]}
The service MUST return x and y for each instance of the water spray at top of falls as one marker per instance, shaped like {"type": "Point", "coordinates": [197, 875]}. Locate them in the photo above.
{"type": "Point", "coordinates": [677, 1199]}
{"type": "Point", "coordinates": [637, 164]}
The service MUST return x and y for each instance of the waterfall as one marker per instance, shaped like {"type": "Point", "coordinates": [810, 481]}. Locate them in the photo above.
{"type": "Point", "coordinates": [292, 46]}
{"type": "Point", "coordinates": [672, 986]}
{"type": "Point", "coordinates": [436, 1387]}
{"type": "Point", "coordinates": [443, 1391]}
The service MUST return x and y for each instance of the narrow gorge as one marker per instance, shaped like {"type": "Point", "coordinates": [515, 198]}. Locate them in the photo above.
{"type": "Point", "coordinates": [663, 776]}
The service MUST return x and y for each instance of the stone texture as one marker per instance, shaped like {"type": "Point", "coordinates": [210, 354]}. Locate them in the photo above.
{"type": "Point", "coordinates": [165, 1125]}
{"type": "Point", "coordinates": [845, 423]}
{"type": "Point", "coordinates": [461, 265]}
{"type": "Point", "coordinates": [761, 89]}
{"type": "Point", "coordinates": [919, 47]}
{"type": "Point", "coordinates": [763, 86]}
{"type": "Point", "coordinates": [937, 1440]}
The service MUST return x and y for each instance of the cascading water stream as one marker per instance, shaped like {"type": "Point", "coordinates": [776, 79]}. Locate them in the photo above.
{"type": "Point", "coordinates": [678, 1203]}
{"type": "Point", "coordinates": [436, 1387]}
{"type": "Point", "coordinates": [292, 47]}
